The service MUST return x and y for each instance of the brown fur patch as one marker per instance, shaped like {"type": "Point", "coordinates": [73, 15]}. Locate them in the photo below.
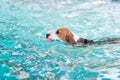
{"type": "Point", "coordinates": [65, 35]}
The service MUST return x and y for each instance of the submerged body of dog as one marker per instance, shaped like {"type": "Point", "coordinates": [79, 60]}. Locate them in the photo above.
{"type": "Point", "coordinates": [66, 35]}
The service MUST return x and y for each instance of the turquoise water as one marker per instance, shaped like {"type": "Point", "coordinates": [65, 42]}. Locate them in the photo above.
{"type": "Point", "coordinates": [25, 55]}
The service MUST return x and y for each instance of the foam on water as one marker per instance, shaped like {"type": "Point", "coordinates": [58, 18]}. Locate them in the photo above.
{"type": "Point", "coordinates": [24, 53]}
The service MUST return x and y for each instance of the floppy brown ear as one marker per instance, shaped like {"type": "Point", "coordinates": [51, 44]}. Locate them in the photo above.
{"type": "Point", "coordinates": [69, 39]}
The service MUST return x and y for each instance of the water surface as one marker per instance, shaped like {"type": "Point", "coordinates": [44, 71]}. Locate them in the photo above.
{"type": "Point", "coordinates": [24, 53]}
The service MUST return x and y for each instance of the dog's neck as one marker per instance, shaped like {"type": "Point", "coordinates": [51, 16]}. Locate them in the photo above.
{"type": "Point", "coordinates": [76, 37]}
{"type": "Point", "coordinates": [81, 41]}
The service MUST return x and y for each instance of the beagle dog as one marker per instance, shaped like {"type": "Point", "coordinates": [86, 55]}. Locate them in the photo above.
{"type": "Point", "coordinates": [64, 34]}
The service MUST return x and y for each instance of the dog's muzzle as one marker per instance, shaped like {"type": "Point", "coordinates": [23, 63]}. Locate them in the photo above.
{"type": "Point", "coordinates": [48, 39]}
{"type": "Point", "coordinates": [47, 35]}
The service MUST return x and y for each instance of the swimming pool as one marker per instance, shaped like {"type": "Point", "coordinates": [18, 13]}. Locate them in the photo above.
{"type": "Point", "coordinates": [24, 53]}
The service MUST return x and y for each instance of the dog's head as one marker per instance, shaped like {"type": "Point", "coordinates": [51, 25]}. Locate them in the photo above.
{"type": "Point", "coordinates": [62, 34]}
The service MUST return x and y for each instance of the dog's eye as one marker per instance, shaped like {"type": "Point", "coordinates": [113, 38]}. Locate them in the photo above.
{"type": "Point", "coordinates": [57, 32]}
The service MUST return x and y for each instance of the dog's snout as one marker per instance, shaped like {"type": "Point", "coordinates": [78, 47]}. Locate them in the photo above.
{"type": "Point", "coordinates": [47, 35]}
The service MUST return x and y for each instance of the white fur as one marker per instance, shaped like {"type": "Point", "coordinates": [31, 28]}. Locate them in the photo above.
{"type": "Point", "coordinates": [75, 37]}
{"type": "Point", "coordinates": [53, 36]}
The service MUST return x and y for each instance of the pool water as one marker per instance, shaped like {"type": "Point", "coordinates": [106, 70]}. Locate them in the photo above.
{"type": "Point", "coordinates": [25, 55]}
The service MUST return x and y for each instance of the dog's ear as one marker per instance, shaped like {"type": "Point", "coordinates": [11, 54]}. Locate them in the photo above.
{"type": "Point", "coordinates": [69, 38]}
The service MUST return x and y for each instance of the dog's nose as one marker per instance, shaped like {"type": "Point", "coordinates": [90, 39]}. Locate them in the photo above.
{"type": "Point", "coordinates": [47, 35]}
